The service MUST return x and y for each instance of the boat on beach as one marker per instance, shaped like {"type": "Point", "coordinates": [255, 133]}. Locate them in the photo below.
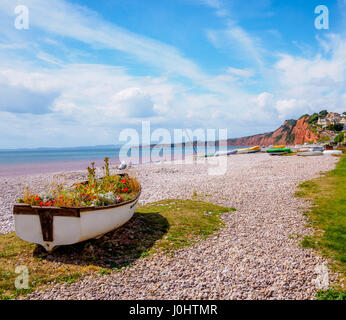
{"type": "Point", "coordinates": [51, 227]}
{"type": "Point", "coordinates": [234, 151]}
{"type": "Point", "coordinates": [332, 152]}
{"type": "Point", "coordinates": [225, 153]}
{"type": "Point", "coordinates": [249, 150]}
{"type": "Point", "coordinates": [278, 151]}
{"type": "Point", "coordinates": [310, 153]}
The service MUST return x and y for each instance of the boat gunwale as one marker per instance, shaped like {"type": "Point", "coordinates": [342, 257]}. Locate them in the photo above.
{"type": "Point", "coordinates": [67, 211]}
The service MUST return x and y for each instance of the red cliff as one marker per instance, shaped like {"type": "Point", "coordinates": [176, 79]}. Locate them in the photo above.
{"type": "Point", "coordinates": [291, 132]}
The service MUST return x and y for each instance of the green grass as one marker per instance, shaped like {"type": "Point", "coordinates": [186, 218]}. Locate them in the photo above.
{"type": "Point", "coordinates": [328, 216]}
{"type": "Point", "coordinates": [164, 226]}
{"type": "Point", "coordinates": [70, 278]}
{"type": "Point", "coordinates": [189, 221]}
{"type": "Point", "coordinates": [104, 271]}
{"type": "Point", "coordinates": [331, 295]}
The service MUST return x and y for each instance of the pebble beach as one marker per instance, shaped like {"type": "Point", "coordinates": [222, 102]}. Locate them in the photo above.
{"type": "Point", "coordinates": [257, 255]}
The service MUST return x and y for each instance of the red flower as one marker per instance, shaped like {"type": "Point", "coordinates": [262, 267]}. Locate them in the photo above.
{"type": "Point", "coordinates": [126, 189]}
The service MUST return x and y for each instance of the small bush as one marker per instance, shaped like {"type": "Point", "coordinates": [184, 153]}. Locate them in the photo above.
{"type": "Point", "coordinates": [325, 139]}
{"type": "Point", "coordinates": [339, 138]}
{"type": "Point", "coordinates": [336, 127]}
{"type": "Point", "coordinates": [313, 118]}
{"type": "Point", "coordinates": [323, 114]}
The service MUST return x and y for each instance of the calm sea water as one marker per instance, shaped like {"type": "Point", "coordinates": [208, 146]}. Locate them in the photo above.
{"type": "Point", "coordinates": [54, 155]}
{"type": "Point", "coordinates": [19, 162]}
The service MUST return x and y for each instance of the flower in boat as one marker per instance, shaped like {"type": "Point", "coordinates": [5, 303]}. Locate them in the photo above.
{"type": "Point", "coordinates": [104, 191]}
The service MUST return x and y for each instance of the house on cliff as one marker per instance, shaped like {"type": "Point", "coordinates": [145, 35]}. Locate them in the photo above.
{"type": "Point", "coordinates": [332, 118]}
{"type": "Point", "coordinates": [322, 122]}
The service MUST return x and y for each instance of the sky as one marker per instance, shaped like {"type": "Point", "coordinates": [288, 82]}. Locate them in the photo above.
{"type": "Point", "coordinates": [86, 70]}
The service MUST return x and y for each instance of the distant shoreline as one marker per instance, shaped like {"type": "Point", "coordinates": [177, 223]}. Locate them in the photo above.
{"type": "Point", "coordinates": [19, 163]}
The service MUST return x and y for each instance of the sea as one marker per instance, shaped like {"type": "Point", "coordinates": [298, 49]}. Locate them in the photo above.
{"type": "Point", "coordinates": [44, 160]}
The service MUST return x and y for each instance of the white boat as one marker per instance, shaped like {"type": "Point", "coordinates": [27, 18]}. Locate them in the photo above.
{"type": "Point", "coordinates": [224, 153]}
{"type": "Point", "coordinates": [242, 151]}
{"type": "Point", "coordinates": [52, 227]}
{"type": "Point", "coordinates": [310, 153]}
{"type": "Point", "coordinates": [332, 152]}
{"type": "Point", "coordinates": [318, 148]}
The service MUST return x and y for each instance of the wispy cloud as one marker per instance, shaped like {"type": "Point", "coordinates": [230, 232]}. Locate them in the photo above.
{"type": "Point", "coordinates": [239, 43]}
{"type": "Point", "coordinates": [49, 58]}
{"type": "Point", "coordinates": [241, 72]}
{"type": "Point", "coordinates": [62, 18]}
{"type": "Point", "coordinates": [51, 92]}
{"type": "Point", "coordinates": [247, 46]}
{"type": "Point", "coordinates": [217, 5]}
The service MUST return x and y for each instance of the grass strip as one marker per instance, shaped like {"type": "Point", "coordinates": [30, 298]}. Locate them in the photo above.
{"type": "Point", "coordinates": [328, 217]}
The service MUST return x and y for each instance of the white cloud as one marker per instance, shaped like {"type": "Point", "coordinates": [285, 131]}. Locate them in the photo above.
{"type": "Point", "coordinates": [96, 97]}
{"type": "Point", "coordinates": [131, 102]}
{"type": "Point", "coordinates": [289, 108]}
{"type": "Point", "coordinates": [265, 100]}
{"type": "Point", "coordinates": [18, 99]}
{"type": "Point", "coordinates": [246, 73]}
{"type": "Point", "coordinates": [238, 42]}
{"type": "Point", "coordinates": [308, 85]}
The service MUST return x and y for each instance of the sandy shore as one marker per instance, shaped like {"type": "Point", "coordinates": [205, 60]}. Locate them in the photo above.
{"type": "Point", "coordinates": [256, 256]}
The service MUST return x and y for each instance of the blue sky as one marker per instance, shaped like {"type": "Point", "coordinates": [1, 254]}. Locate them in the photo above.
{"type": "Point", "coordinates": [86, 70]}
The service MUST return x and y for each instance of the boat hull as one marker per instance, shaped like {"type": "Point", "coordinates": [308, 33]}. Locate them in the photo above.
{"type": "Point", "coordinates": [287, 150]}
{"type": "Point", "coordinates": [332, 152]}
{"type": "Point", "coordinates": [224, 153]}
{"type": "Point", "coordinates": [310, 153]}
{"type": "Point", "coordinates": [249, 150]}
{"type": "Point", "coordinates": [279, 153]}
{"type": "Point", "coordinates": [242, 151]}
{"type": "Point", "coordinates": [52, 227]}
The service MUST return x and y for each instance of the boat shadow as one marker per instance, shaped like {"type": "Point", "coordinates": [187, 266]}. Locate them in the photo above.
{"type": "Point", "coordinates": [116, 249]}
